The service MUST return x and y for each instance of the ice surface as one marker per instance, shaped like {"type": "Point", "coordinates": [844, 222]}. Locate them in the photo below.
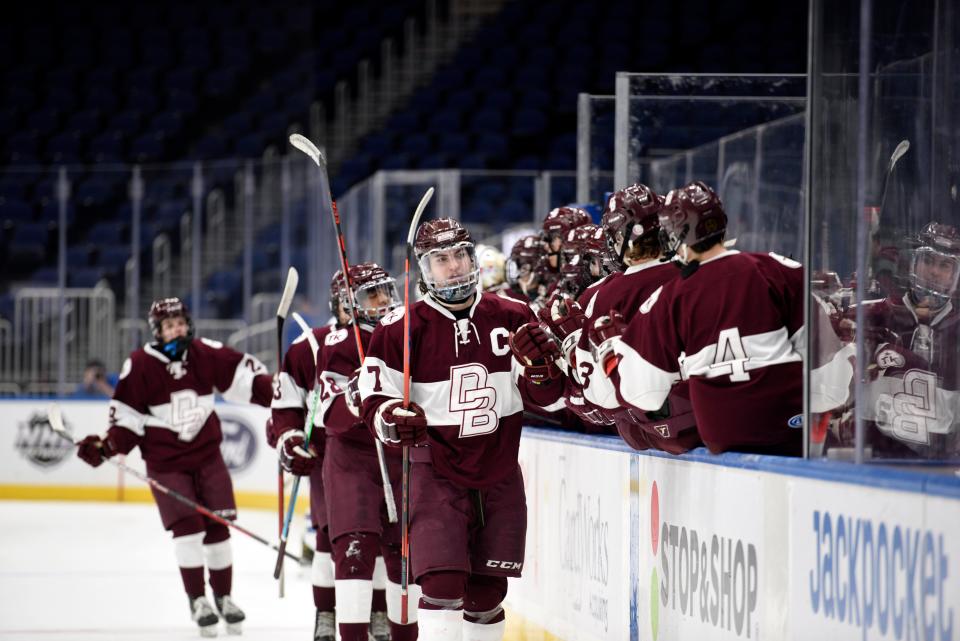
{"type": "Point", "coordinates": [83, 571]}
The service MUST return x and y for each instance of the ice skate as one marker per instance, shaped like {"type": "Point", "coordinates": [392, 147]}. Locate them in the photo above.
{"type": "Point", "coordinates": [379, 627]}
{"type": "Point", "coordinates": [202, 612]}
{"type": "Point", "coordinates": [325, 628]}
{"type": "Point", "coordinates": [232, 615]}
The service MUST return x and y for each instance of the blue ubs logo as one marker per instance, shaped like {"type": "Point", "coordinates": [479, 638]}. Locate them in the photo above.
{"type": "Point", "coordinates": [239, 444]}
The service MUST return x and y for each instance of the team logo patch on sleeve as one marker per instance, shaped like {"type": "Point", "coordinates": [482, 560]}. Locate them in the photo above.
{"type": "Point", "coordinates": [392, 317]}
{"type": "Point", "coordinates": [888, 358]}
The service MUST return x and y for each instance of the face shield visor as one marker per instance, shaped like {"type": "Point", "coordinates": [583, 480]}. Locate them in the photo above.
{"type": "Point", "coordinates": [450, 273]}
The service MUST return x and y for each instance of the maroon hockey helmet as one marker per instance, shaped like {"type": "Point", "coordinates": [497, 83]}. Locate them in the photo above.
{"type": "Point", "coordinates": [561, 220]}
{"type": "Point", "coordinates": [447, 259]}
{"type": "Point", "coordinates": [164, 308]}
{"type": "Point", "coordinates": [524, 258]}
{"type": "Point", "coordinates": [691, 216]}
{"type": "Point", "coordinates": [374, 290]}
{"type": "Point", "coordinates": [935, 264]}
{"type": "Point", "coordinates": [631, 218]}
{"type": "Point", "coordinates": [584, 258]}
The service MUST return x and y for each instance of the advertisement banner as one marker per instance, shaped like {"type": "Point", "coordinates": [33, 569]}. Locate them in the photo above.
{"type": "Point", "coordinates": [872, 563]}
{"type": "Point", "coordinates": [32, 455]}
{"type": "Point", "coordinates": [576, 576]}
{"type": "Point", "coordinates": [712, 549]}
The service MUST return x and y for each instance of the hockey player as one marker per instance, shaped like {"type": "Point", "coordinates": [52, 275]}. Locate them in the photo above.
{"type": "Point", "coordinates": [522, 275]}
{"type": "Point", "coordinates": [556, 226]}
{"type": "Point", "coordinates": [357, 515]}
{"type": "Point", "coordinates": [290, 407]}
{"type": "Point", "coordinates": [468, 510]}
{"type": "Point", "coordinates": [164, 404]}
{"type": "Point", "coordinates": [914, 380]}
{"type": "Point", "coordinates": [728, 324]}
{"type": "Point", "coordinates": [492, 268]}
{"type": "Point", "coordinates": [584, 259]}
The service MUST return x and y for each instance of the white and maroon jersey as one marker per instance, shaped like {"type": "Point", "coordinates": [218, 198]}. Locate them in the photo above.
{"type": "Point", "coordinates": [291, 396]}
{"type": "Point", "coordinates": [672, 427]}
{"type": "Point", "coordinates": [622, 292]}
{"type": "Point", "coordinates": [340, 360]}
{"type": "Point", "coordinates": [729, 329]}
{"type": "Point", "coordinates": [166, 407]}
{"type": "Point", "coordinates": [464, 376]}
{"type": "Point", "coordinates": [913, 393]}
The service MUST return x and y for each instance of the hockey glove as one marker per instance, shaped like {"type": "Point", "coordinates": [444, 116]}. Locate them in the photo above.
{"type": "Point", "coordinates": [94, 450]}
{"type": "Point", "coordinates": [604, 333]}
{"type": "Point", "coordinates": [565, 319]}
{"type": "Point", "coordinates": [294, 457]}
{"type": "Point", "coordinates": [352, 394]}
{"type": "Point", "coordinates": [537, 351]}
{"type": "Point", "coordinates": [273, 434]}
{"type": "Point", "coordinates": [399, 426]}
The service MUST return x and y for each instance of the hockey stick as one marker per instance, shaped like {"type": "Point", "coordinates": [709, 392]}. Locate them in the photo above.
{"type": "Point", "coordinates": [405, 479]}
{"type": "Point", "coordinates": [306, 146]}
{"type": "Point", "coordinates": [289, 289]}
{"type": "Point", "coordinates": [56, 424]}
{"type": "Point", "coordinates": [897, 154]}
{"type": "Point", "coordinates": [314, 347]}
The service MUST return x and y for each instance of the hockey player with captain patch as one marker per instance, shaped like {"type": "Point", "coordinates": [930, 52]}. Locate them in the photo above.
{"type": "Point", "coordinates": [467, 392]}
{"type": "Point", "coordinates": [163, 404]}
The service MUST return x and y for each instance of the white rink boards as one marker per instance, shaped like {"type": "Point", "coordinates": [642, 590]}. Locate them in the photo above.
{"type": "Point", "coordinates": [620, 545]}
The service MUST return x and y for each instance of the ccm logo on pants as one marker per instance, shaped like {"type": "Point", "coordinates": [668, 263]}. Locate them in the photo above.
{"type": "Point", "coordinates": [504, 565]}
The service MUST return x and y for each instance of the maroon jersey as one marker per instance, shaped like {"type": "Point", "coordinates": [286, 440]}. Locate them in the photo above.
{"type": "Point", "coordinates": [340, 360]}
{"type": "Point", "coordinates": [291, 405]}
{"type": "Point", "coordinates": [166, 407]}
{"type": "Point", "coordinates": [729, 328]}
{"type": "Point", "coordinates": [464, 376]}
{"type": "Point", "coordinates": [670, 428]}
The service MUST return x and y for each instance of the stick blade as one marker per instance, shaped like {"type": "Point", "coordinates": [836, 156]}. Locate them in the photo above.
{"type": "Point", "coordinates": [289, 289]}
{"type": "Point", "coordinates": [416, 215]}
{"type": "Point", "coordinates": [898, 153]}
{"type": "Point", "coordinates": [306, 145]}
{"type": "Point", "coordinates": [56, 420]}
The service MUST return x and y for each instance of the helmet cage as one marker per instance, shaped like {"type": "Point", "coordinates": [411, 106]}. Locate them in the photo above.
{"type": "Point", "coordinates": [362, 293]}
{"type": "Point", "coordinates": [453, 290]}
{"type": "Point", "coordinates": [924, 283]}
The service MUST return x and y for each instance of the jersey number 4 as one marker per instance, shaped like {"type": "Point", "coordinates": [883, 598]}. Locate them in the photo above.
{"type": "Point", "coordinates": [731, 357]}
{"type": "Point", "coordinates": [473, 399]}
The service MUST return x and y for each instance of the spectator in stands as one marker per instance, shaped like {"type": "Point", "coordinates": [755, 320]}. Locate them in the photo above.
{"type": "Point", "coordinates": [96, 383]}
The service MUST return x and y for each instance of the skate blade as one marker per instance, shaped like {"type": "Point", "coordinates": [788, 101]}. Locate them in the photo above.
{"type": "Point", "coordinates": [234, 629]}
{"type": "Point", "coordinates": [208, 631]}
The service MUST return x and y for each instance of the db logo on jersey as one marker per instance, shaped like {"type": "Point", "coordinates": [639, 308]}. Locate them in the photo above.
{"type": "Point", "coordinates": [504, 565]}
{"type": "Point", "coordinates": [470, 396]}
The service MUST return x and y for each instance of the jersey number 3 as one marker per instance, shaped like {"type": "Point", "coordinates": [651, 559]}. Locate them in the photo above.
{"type": "Point", "coordinates": [473, 399]}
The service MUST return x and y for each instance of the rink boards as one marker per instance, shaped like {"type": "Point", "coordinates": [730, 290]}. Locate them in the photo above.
{"type": "Point", "coordinates": [622, 545]}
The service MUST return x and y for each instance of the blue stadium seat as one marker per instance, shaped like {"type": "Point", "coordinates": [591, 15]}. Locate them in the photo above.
{"type": "Point", "coordinates": [85, 277]}
{"type": "Point", "coordinates": [106, 233]}
{"type": "Point", "coordinates": [27, 233]}
{"type": "Point", "coordinates": [14, 211]}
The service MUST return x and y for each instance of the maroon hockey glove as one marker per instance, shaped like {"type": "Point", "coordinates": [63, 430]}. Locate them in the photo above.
{"type": "Point", "coordinates": [537, 351]}
{"type": "Point", "coordinates": [352, 394]}
{"type": "Point", "coordinates": [294, 457]}
{"type": "Point", "coordinates": [562, 315]}
{"type": "Point", "coordinates": [401, 426]}
{"type": "Point", "coordinates": [93, 450]}
{"type": "Point", "coordinates": [273, 434]}
{"type": "Point", "coordinates": [602, 333]}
